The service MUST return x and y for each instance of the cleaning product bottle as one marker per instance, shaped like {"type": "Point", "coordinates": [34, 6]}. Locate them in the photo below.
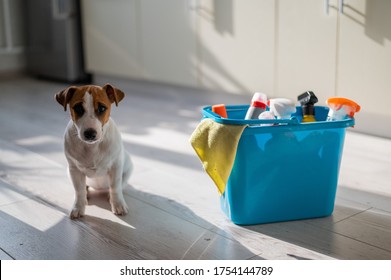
{"type": "Point", "coordinates": [267, 115]}
{"type": "Point", "coordinates": [258, 105]}
{"type": "Point", "coordinates": [307, 101]}
{"type": "Point", "coordinates": [341, 108]}
{"type": "Point", "coordinates": [220, 110]}
{"type": "Point", "coordinates": [282, 108]}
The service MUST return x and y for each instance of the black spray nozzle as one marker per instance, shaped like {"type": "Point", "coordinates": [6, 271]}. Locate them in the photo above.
{"type": "Point", "coordinates": [307, 101]}
{"type": "Point", "coordinates": [307, 98]}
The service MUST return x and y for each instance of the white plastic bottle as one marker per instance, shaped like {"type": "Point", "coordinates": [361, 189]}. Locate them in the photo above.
{"type": "Point", "coordinates": [257, 106]}
{"type": "Point", "coordinates": [267, 115]}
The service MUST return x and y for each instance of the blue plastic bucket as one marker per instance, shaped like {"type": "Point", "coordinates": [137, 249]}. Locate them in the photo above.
{"type": "Point", "coordinates": [284, 172]}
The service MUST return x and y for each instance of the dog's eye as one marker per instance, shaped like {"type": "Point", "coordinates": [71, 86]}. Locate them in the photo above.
{"type": "Point", "coordinates": [101, 109]}
{"type": "Point", "coordinates": [79, 110]}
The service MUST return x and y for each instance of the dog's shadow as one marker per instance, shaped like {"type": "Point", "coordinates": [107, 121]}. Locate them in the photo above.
{"type": "Point", "coordinates": [101, 199]}
{"type": "Point", "coordinates": [158, 227]}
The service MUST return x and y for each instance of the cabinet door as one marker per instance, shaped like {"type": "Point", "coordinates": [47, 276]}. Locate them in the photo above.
{"type": "Point", "coordinates": [168, 41]}
{"type": "Point", "coordinates": [236, 45]}
{"type": "Point", "coordinates": [306, 48]}
{"type": "Point", "coordinates": [364, 62]}
{"type": "Point", "coordinates": [110, 37]}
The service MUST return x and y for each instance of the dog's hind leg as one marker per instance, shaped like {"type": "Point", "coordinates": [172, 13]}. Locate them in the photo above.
{"type": "Point", "coordinates": [127, 170]}
{"type": "Point", "coordinates": [88, 192]}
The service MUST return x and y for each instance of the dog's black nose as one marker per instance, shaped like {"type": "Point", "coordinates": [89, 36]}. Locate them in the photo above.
{"type": "Point", "coordinates": [90, 134]}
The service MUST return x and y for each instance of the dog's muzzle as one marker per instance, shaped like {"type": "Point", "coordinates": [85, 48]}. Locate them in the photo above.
{"type": "Point", "coordinates": [90, 135]}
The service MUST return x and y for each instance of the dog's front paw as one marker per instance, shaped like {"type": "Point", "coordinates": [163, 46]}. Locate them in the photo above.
{"type": "Point", "coordinates": [119, 207]}
{"type": "Point", "coordinates": [77, 211]}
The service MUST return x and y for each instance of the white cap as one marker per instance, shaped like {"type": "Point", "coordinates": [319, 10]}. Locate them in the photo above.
{"type": "Point", "coordinates": [261, 97]}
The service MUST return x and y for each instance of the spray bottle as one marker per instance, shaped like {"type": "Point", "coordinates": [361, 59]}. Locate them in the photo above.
{"type": "Point", "coordinates": [267, 115]}
{"type": "Point", "coordinates": [341, 108]}
{"type": "Point", "coordinates": [258, 106]}
{"type": "Point", "coordinates": [307, 101]}
{"type": "Point", "coordinates": [282, 108]}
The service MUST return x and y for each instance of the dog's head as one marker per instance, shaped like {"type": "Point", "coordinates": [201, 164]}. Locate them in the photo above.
{"type": "Point", "coordinates": [90, 108]}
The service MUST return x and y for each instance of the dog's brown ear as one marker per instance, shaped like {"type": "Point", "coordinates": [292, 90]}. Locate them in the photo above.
{"type": "Point", "coordinates": [114, 94]}
{"type": "Point", "coordinates": [63, 97]}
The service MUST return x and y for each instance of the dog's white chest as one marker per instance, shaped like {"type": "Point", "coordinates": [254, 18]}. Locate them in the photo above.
{"type": "Point", "coordinates": [96, 171]}
{"type": "Point", "coordinates": [93, 171]}
{"type": "Point", "coordinates": [93, 163]}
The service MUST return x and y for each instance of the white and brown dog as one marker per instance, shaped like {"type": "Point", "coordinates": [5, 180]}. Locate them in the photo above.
{"type": "Point", "coordinates": [93, 146]}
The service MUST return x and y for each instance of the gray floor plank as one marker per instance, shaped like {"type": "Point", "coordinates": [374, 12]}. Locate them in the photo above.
{"type": "Point", "coordinates": [365, 174]}
{"type": "Point", "coordinates": [323, 241]}
{"type": "Point", "coordinates": [4, 255]}
{"type": "Point", "coordinates": [372, 227]}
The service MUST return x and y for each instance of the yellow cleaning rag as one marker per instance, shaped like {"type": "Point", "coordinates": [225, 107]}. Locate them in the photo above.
{"type": "Point", "coordinates": [216, 145]}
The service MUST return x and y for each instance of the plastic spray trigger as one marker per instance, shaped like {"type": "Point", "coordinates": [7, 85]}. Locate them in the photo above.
{"type": "Point", "coordinates": [340, 108]}
{"type": "Point", "coordinates": [307, 98]}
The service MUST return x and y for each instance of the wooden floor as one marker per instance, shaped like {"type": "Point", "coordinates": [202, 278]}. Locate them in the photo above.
{"type": "Point", "coordinates": [174, 207]}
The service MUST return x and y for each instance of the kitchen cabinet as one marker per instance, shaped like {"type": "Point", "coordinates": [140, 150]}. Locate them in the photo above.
{"type": "Point", "coordinates": [226, 45]}
{"type": "Point", "coordinates": [306, 49]}
{"type": "Point", "coordinates": [236, 45]}
{"type": "Point", "coordinates": [343, 49]}
{"type": "Point", "coordinates": [152, 40]}
{"type": "Point", "coordinates": [110, 37]}
{"type": "Point", "coordinates": [167, 40]}
{"type": "Point", "coordinates": [364, 62]}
